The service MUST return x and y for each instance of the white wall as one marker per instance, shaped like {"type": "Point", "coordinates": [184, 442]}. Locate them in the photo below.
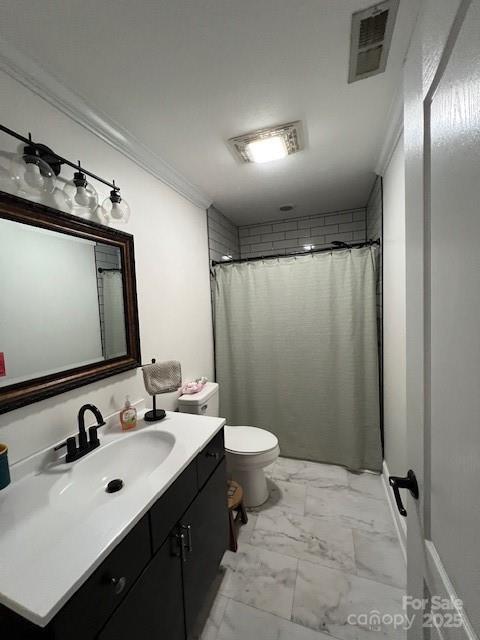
{"type": "Point", "coordinates": [394, 345]}
{"type": "Point", "coordinates": [171, 251]}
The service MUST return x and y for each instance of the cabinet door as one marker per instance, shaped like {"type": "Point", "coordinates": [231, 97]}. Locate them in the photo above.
{"type": "Point", "coordinates": [153, 610]}
{"type": "Point", "coordinates": [91, 606]}
{"type": "Point", "coordinates": [205, 526]}
{"type": "Point", "coordinates": [208, 459]}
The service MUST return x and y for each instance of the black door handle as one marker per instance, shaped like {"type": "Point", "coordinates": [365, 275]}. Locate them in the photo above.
{"type": "Point", "coordinates": [409, 482]}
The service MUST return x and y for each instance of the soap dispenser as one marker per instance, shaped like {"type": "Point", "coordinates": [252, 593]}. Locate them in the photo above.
{"type": "Point", "coordinates": [128, 416]}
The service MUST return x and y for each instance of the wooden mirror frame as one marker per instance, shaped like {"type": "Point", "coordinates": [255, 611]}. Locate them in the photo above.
{"type": "Point", "coordinates": [37, 215]}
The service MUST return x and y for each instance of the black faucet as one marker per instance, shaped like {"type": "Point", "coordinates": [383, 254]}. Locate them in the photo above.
{"type": "Point", "coordinates": [85, 445]}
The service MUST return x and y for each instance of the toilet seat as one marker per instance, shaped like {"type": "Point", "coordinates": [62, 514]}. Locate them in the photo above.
{"type": "Point", "coordinates": [249, 441]}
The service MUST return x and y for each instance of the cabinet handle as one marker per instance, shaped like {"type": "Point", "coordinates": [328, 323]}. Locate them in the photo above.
{"type": "Point", "coordinates": [213, 454]}
{"type": "Point", "coordinates": [181, 542]}
{"type": "Point", "coordinates": [188, 529]}
{"type": "Point", "coordinates": [119, 584]}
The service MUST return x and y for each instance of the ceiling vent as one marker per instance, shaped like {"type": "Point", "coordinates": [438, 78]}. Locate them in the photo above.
{"type": "Point", "coordinates": [284, 138]}
{"type": "Point", "coordinates": [371, 36]}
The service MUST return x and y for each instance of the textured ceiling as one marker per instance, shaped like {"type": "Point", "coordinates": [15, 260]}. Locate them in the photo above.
{"type": "Point", "coordinates": [183, 76]}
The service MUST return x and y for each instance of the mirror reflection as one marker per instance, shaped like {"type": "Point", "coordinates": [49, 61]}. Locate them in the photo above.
{"type": "Point", "coordinates": [61, 302]}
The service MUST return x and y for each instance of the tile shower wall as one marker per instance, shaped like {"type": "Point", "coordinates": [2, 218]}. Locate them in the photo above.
{"type": "Point", "coordinates": [291, 234]}
{"type": "Point", "coordinates": [106, 257]}
{"type": "Point", "coordinates": [222, 236]}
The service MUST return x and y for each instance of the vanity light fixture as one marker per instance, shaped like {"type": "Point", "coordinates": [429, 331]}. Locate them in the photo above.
{"type": "Point", "coordinates": [34, 169]}
{"type": "Point", "coordinates": [115, 207]}
{"type": "Point", "coordinates": [81, 195]}
{"type": "Point", "coordinates": [309, 247]}
{"type": "Point", "coordinates": [266, 145]}
{"type": "Point", "coordinates": [227, 257]}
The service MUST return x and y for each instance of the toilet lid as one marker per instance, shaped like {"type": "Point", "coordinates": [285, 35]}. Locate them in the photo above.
{"type": "Point", "coordinates": [249, 440]}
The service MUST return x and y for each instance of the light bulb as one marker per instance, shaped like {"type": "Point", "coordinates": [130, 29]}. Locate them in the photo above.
{"type": "Point", "coordinates": [116, 207]}
{"type": "Point", "coordinates": [116, 212]}
{"type": "Point", "coordinates": [32, 175]}
{"type": "Point", "coordinates": [81, 197]}
{"type": "Point", "coordinates": [81, 194]}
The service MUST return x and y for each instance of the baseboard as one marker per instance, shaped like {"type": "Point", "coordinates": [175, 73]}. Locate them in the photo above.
{"type": "Point", "coordinates": [399, 521]}
{"type": "Point", "coordinates": [441, 585]}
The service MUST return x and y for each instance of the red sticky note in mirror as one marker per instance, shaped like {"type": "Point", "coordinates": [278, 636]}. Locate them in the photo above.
{"type": "Point", "coordinates": [2, 364]}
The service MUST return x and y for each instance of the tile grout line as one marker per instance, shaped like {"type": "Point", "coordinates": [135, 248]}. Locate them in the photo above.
{"type": "Point", "coordinates": [296, 624]}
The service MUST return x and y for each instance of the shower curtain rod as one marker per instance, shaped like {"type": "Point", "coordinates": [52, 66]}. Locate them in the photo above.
{"type": "Point", "coordinates": [353, 245]}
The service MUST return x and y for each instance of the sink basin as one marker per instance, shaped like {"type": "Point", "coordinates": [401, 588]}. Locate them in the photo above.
{"type": "Point", "coordinates": [130, 459]}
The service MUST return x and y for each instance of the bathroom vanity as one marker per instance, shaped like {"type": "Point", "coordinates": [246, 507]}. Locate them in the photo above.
{"type": "Point", "coordinates": [136, 565]}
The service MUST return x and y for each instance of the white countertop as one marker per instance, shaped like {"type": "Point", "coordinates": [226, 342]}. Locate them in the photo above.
{"type": "Point", "coordinates": [46, 551]}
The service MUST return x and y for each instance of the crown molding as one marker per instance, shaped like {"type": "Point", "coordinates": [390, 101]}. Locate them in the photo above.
{"type": "Point", "coordinates": [31, 75]}
{"type": "Point", "coordinates": [393, 133]}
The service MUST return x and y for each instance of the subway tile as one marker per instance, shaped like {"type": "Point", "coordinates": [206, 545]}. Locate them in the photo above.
{"type": "Point", "coordinates": [310, 223]}
{"type": "Point", "coordinates": [343, 237]}
{"type": "Point", "coordinates": [318, 221]}
{"type": "Point", "coordinates": [221, 219]}
{"type": "Point", "coordinates": [243, 232]}
{"type": "Point", "coordinates": [270, 237]}
{"type": "Point", "coordinates": [251, 240]}
{"type": "Point", "coordinates": [304, 223]}
{"type": "Point", "coordinates": [285, 226]}
{"type": "Point", "coordinates": [352, 226]}
{"type": "Point", "coordinates": [299, 233]}
{"type": "Point", "coordinates": [261, 228]}
{"type": "Point", "coordinates": [221, 231]}
{"type": "Point", "coordinates": [317, 240]}
{"type": "Point", "coordinates": [339, 218]}
{"type": "Point", "coordinates": [359, 236]}
{"type": "Point", "coordinates": [359, 215]}
{"type": "Point", "coordinates": [263, 246]}
{"type": "Point", "coordinates": [331, 228]}
{"type": "Point", "coordinates": [285, 244]}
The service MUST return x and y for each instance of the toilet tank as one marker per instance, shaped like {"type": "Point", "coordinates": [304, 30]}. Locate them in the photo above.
{"type": "Point", "coordinates": [203, 403]}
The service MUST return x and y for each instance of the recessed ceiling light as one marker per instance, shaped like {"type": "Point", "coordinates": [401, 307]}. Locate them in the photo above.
{"type": "Point", "coordinates": [266, 149]}
{"type": "Point", "coordinates": [265, 145]}
{"type": "Point", "coordinates": [286, 207]}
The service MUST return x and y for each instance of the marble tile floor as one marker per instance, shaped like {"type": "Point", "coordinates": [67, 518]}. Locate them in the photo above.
{"type": "Point", "coordinates": [313, 563]}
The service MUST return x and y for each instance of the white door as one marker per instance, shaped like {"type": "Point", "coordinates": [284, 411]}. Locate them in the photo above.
{"type": "Point", "coordinates": [442, 143]}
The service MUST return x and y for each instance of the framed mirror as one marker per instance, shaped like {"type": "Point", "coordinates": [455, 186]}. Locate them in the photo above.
{"type": "Point", "coordinates": [68, 302]}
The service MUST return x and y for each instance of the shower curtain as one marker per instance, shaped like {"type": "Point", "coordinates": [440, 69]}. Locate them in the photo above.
{"type": "Point", "coordinates": [114, 318]}
{"type": "Point", "coordinates": [296, 353]}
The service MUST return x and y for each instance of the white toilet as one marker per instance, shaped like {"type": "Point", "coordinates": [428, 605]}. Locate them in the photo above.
{"type": "Point", "coordinates": [249, 449]}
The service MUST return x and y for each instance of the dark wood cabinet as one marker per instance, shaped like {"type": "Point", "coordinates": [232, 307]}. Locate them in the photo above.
{"type": "Point", "coordinates": [153, 584]}
{"type": "Point", "coordinates": [154, 607]}
{"type": "Point", "coordinates": [205, 526]}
